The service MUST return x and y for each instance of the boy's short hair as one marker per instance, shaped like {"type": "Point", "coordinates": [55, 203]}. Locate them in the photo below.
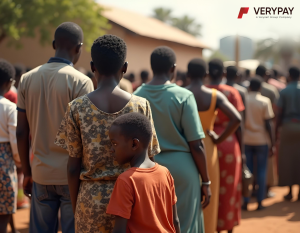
{"type": "Point", "coordinates": [7, 71]}
{"type": "Point", "coordinates": [197, 68]}
{"type": "Point", "coordinates": [255, 84]}
{"type": "Point", "coordinates": [68, 34]}
{"type": "Point", "coordinates": [294, 72]}
{"type": "Point", "coordinates": [135, 125]}
{"type": "Point", "coordinates": [231, 72]}
{"type": "Point", "coordinates": [162, 59]}
{"type": "Point", "coordinates": [109, 54]}
{"type": "Point", "coordinates": [144, 76]}
{"type": "Point", "coordinates": [20, 69]}
{"type": "Point", "coordinates": [215, 68]}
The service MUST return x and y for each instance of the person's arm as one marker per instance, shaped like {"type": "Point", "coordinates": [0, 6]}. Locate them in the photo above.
{"type": "Point", "coordinates": [120, 225]}
{"type": "Point", "coordinates": [73, 170]}
{"type": "Point", "coordinates": [233, 115]}
{"type": "Point", "coordinates": [23, 148]}
{"type": "Point", "coordinates": [270, 130]}
{"type": "Point", "coordinates": [176, 219]}
{"type": "Point", "coordinates": [279, 119]}
{"type": "Point", "coordinates": [198, 153]}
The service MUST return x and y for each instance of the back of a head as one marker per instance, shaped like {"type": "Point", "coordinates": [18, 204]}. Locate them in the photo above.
{"type": "Point", "coordinates": [144, 76]}
{"type": "Point", "coordinates": [68, 35]}
{"type": "Point", "coordinates": [231, 72]}
{"type": "Point", "coordinates": [215, 68]}
{"type": "Point", "coordinates": [261, 71]}
{"type": "Point", "coordinates": [247, 72]}
{"type": "Point", "coordinates": [7, 71]}
{"type": "Point", "coordinates": [108, 54]}
{"type": "Point", "coordinates": [255, 84]}
{"type": "Point", "coordinates": [162, 60]}
{"type": "Point", "coordinates": [294, 73]}
{"type": "Point", "coordinates": [20, 69]}
{"type": "Point", "coordinates": [197, 68]}
{"type": "Point", "coordinates": [135, 125]}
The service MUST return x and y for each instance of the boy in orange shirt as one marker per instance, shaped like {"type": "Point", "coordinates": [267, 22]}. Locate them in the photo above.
{"type": "Point", "coordinates": [143, 199]}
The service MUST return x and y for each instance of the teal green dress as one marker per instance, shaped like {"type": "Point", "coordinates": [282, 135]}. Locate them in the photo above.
{"type": "Point", "coordinates": [176, 121]}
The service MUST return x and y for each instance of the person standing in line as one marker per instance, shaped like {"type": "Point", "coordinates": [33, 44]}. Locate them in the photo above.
{"type": "Point", "coordinates": [84, 132]}
{"type": "Point", "coordinates": [231, 153]}
{"type": "Point", "coordinates": [208, 101]}
{"type": "Point", "coordinates": [258, 128]}
{"type": "Point", "coordinates": [43, 96]}
{"type": "Point", "coordinates": [9, 156]}
{"type": "Point", "coordinates": [288, 119]}
{"type": "Point", "coordinates": [180, 135]}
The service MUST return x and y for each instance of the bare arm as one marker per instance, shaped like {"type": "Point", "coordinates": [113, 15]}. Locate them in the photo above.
{"type": "Point", "coordinates": [23, 148]}
{"type": "Point", "coordinates": [233, 115]}
{"type": "Point", "coordinates": [176, 219]}
{"type": "Point", "coordinates": [120, 225]}
{"type": "Point", "coordinates": [270, 130]}
{"type": "Point", "coordinates": [278, 120]}
{"type": "Point", "coordinates": [73, 168]}
{"type": "Point", "coordinates": [198, 153]}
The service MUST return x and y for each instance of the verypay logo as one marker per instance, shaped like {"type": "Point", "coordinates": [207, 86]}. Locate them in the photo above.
{"type": "Point", "coordinates": [243, 10]}
{"type": "Point", "coordinates": [268, 12]}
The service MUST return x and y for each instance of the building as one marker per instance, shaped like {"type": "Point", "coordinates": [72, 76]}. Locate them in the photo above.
{"type": "Point", "coordinates": [141, 33]}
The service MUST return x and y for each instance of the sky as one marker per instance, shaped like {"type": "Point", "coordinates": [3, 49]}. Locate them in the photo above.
{"type": "Point", "coordinates": [219, 17]}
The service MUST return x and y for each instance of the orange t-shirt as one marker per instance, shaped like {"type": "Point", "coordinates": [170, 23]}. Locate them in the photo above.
{"type": "Point", "coordinates": [145, 197]}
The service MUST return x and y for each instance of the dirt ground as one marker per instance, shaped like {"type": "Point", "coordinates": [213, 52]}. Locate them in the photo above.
{"type": "Point", "coordinates": [279, 217]}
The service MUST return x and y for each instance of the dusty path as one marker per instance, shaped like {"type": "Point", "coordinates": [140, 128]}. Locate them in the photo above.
{"type": "Point", "coordinates": [279, 217]}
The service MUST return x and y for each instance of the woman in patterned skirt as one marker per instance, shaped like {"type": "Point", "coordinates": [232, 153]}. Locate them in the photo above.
{"type": "Point", "coordinates": [230, 158]}
{"type": "Point", "coordinates": [92, 171]}
{"type": "Point", "coordinates": [8, 148]}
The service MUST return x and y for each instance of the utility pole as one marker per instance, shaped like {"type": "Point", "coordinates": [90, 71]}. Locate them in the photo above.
{"type": "Point", "coordinates": [237, 51]}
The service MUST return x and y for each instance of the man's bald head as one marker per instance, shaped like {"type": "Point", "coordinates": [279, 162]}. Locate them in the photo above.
{"type": "Point", "coordinates": [68, 35]}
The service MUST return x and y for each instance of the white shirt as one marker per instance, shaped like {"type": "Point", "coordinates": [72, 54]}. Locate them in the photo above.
{"type": "Point", "coordinates": [8, 123]}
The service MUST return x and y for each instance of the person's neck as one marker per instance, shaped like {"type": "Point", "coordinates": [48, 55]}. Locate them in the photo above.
{"type": "Point", "coordinates": [216, 81]}
{"type": "Point", "coordinates": [107, 83]}
{"type": "Point", "coordinates": [142, 160]}
{"type": "Point", "coordinates": [230, 82]}
{"type": "Point", "coordinates": [160, 79]}
{"type": "Point", "coordinates": [196, 82]}
{"type": "Point", "coordinates": [63, 54]}
{"type": "Point", "coordinates": [3, 92]}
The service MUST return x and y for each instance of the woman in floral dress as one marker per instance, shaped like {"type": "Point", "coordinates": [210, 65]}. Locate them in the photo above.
{"type": "Point", "coordinates": [92, 171]}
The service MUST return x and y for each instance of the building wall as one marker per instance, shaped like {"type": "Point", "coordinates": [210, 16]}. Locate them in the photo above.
{"type": "Point", "coordinates": [139, 50]}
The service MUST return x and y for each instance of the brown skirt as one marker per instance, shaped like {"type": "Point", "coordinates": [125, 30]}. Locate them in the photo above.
{"type": "Point", "coordinates": [289, 155]}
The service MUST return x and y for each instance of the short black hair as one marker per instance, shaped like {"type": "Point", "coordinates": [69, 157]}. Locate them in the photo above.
{"type": "Point", "coordinates": [261, 71]}
{"type": "Point", "coordinates": [109, 54]}
{"type": "Point", "coordinates": [231, 72]}
{"type": "Point", "coordinates": [20, 69]}
{"type": "Point", "coordinates": [135, 125]}
{"type": "Point", "coordinates": [197, 68]}
{"type": "Point", "coordinates": [67, 35]}
{"type": "Point", "coordinates": [90, 74]}
{"type": "Point", "coordinates": [215, 68]}
{"type": "Point", "coordinates": [162, 59]}
{"type": "Point", "coordinates": [255, 84]}
{"type": "Point", "coordinates": [247, 72]}
{"type": "Point", "coordinates": [7, 71]}
{"type": "Point", "coordinates": [294, 73]}
{"type": "Point", "coordinates": [144, 76]}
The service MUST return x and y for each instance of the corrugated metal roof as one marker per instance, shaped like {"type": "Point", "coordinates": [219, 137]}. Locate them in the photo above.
{"type": "Point", "coordinates": [149, 27]}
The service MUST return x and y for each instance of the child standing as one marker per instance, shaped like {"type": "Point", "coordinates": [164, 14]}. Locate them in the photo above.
{"type": "Point", "coordinates": [144, 198]}
{"type": "Point", "coordinates": [92, 171]}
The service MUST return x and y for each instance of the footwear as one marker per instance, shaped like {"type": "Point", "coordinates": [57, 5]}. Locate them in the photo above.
{"type": "Point", "coordinates": [260, 207]}
{"type": "Point", "coordinates": [245, 207]}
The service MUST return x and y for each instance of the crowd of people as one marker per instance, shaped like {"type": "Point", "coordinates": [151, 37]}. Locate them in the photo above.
{"type": "Point", "coordinates": [167, 158]}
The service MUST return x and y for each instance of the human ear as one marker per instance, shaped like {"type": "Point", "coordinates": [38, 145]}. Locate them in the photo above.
{"type": "Point", "coordinates": [53, 45]}
{"type": "Point", "coordinates": [135, 144]}
{"type": "Point", "coordinates": [78, 47]}
{"type": "Point", "coordinates": [124, 68]}
{"type": "Point", "coordinates": [172, 71]}
{"type": "Point", "coordinates": [92, 66]}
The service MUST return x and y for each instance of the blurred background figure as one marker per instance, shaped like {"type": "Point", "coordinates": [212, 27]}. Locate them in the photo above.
{"type": "Point", "coordinates": [288, 119]}
{"type": "Point", "coordinates": [20, 70]}
{"type": "Point", "coordinates": [145, 76]}
{"type": "Point", "coordinates": [92, 77]}
{"type": "Point", "coordinates": [181, 79]}
{"type": "Point", "coordinates": [258, 128]}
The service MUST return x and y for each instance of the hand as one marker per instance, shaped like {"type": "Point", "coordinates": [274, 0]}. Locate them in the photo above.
{"type": "Point", "coordinates": [206, 194]}
{"type": "Point", "coordinates": [272, 151]}
{"type": "Point", "coordinates": [27, 186]}
{"type": "Point", "coordinates": [214, 137]}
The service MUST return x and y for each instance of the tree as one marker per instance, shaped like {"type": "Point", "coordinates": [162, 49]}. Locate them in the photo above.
{"type": "Point", "coordinates": [162, 14]}
{"type": "Point", "coordinates": [184, 23]}
{"type": "Point", "coordinates": [24, 18]}
{"type": "Point", "coordinates": [187, 24]}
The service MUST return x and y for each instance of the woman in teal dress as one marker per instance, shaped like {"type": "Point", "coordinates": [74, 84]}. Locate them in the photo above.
{"type": "Point", "coordinates": [179, 133]}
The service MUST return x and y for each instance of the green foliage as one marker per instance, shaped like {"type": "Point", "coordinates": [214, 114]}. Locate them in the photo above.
{"type": "Point", "coordinates": [219, 55]}
{"type": "Point", "coordinates": [184, 23]}
{"type": "Point", "coordinates": [26, 18]}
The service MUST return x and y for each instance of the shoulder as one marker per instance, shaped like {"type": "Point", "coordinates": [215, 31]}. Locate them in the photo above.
{"type": "Point", "coordinates": [82, 101]}
{"type": "Point", "coordinates": [8, 104]}
{"type": "Point", "coordinates": [77, 75]}
{"type": "Point", "coordinates": [264, 100]}
{"type": "Point", "coordinates": [139, 100]}
{"type": "Point", "coordinates": [28, 74]}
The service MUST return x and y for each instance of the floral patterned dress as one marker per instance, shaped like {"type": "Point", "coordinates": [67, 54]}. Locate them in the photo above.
{"type": "Point", "coordinates": [84, 133]}
{"type": "Point", "coordinates": [229, 213]}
